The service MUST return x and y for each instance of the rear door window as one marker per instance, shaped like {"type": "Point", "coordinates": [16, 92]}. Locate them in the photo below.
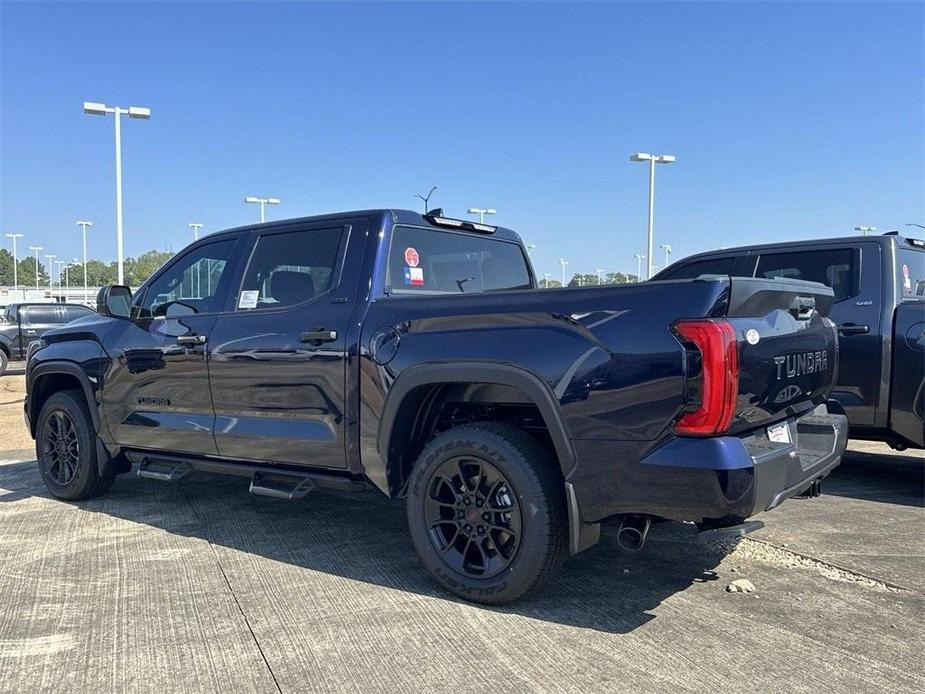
{"type": "Point", "coordinates": [41, 315]}
{"type": "Point", "coordinates": [428, 261]}
{"type": "Point", "coordinates": [74, 312]}
{"type": "Point", "coordinates": [835, 268]}
{"type": "Point", "coordinates": [292, 267]}
{"type": "Point", "coordinates": [911, 273]}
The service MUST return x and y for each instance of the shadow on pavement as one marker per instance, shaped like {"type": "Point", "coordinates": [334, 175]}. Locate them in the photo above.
{"type": "Point", "coordinates": [891, 479]}
{"type": "Point", "coordinates": [363, 537]}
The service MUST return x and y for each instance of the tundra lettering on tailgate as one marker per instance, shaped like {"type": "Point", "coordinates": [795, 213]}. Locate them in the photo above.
{"type": "Point", "coordinates": [793, 365]}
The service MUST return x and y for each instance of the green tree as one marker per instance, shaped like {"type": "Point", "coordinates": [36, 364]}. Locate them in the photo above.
{"type": "Point", "coordinates": [6, 268]}
{"type": "Point", "coordinates": [137, 270]}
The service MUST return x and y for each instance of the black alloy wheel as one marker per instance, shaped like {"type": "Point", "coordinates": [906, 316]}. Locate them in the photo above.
{"type": "Point", "coordinates": [473, 516]}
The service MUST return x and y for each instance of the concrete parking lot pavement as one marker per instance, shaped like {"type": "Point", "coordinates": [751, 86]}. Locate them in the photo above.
{"type": "Point", "coordinates": [200, 587]}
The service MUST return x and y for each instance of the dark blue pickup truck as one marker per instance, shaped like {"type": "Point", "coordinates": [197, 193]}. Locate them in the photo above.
{"type": "Point", "coordinates": [414, 354]}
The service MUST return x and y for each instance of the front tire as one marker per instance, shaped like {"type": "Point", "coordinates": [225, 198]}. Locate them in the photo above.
{"type": "Point", "coordinates": [65, 446]}
{"type": "Point", "coordinates": [486, 512]}
{"type": "Point", "coordinates": [4, 360]}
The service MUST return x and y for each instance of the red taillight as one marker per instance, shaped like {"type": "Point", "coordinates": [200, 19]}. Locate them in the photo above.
{"type": "Point", "coordinates": [718, 379]}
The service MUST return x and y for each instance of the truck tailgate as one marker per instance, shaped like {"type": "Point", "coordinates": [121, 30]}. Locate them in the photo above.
{"type": "Point", "coordinates": [787, 348]}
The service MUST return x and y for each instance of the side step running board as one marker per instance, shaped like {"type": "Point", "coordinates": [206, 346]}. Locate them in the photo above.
{"type": "Point", "coordinates": [281, 486]}
{"type": "Point", "coordinates": [163, 470]}
{"type": "Point", "coordinates": [269, 481]}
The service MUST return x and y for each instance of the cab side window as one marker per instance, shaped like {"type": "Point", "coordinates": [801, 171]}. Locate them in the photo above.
{"type": "Point", "coordinates": [835, 268]}
{"type": "Point", "coordinates": [291, 267]}
{"type": "Point", "coordinates": [41, 315]}
{"type": "Point", "coordinates": [189, 285]}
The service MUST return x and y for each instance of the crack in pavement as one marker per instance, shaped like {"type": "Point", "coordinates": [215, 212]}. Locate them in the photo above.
{"type": "Point", "coordinates": [234, 597]}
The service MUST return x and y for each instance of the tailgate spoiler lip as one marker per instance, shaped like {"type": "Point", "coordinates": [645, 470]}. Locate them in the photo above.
{"type": "Point", "coordinates": [754, 297]}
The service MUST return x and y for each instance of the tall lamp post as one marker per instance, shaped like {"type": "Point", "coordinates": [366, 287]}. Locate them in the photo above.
{"type": "Point", "coordinates": [263, 202]}
{"type": "Point", "coordinates": [653, 159]}
{"type": "Point", "coordinates": [15, 262]}
{"type": "Point", "coordinates": [49, 262]}
{"type": "Point", "coordinates": [546, 276]}
{"type": "Point", "coordinates": [866, 230]}
{"type": "Point", "coordinates": [667, 248]}
{"type": "Point", "coordinates": [196, 226]}
{"type": "Point", "coordinates": [139, 112]}
{"type": "Point", "coordinates": [36, 250]}
{"type": "Point", "coordinates": [481, 212]}
{"type": "Point", "coordinates": [58, 265]}
{"type": "Point", "coordinates": [563, 263]}
{"type": "Point", "coordinates": [83, 227]}
{"type": "Point", "coordinates": [639, 259]}
{"type": "Point", "coordinates": [599, 272]}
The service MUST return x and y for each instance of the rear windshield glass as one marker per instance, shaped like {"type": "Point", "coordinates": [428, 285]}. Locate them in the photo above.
{"type": "Point", "coordinates": [911, 273]}
{"type": "Point", "coordinates": [426, 260]}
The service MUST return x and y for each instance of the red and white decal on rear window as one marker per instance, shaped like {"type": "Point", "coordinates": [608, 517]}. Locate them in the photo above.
{"type": "Point", "coordinates": [411, 257]}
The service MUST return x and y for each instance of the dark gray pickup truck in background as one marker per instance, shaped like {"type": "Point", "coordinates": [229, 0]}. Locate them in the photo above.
{"type": "Point", "coordinates": [879, 284]}
{"type": "Point", "coordinates": [23, 324]}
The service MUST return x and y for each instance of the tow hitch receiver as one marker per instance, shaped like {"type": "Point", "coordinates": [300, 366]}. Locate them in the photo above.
{"type": "Point", "coordinates": [812, 491]}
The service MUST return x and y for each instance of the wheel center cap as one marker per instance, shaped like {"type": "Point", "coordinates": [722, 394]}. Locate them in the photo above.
{"type": "Point", "coordinates": [472, 515]}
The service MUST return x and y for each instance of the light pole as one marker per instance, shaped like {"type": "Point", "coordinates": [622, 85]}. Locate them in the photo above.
{"type": "Point", "coordinates": [546, 275]}
{"type": "Point", "coordinates": [139, 112]}
{"type": "Point", "coordinates": [83, 227]}
{"type": "Point", "coordinates": [866, 230]}
{"type": "Point", "coordinates": [481, 212]}
{"type": "Point", "coordinates": [913, 224]}
{"type": "Point", "coordinates": [563, 263]}
{"type": "Point", "coordinates": [49, 261]}
{"type": "Point", "coordinates": [667, 248]}
{"type": "Point", "coordinates": [427, 199]}
{"type": "Point", "coordinates": [599, 271]}
{"type": "Point", "coordinates": [36, 250]}
{"type": "Point", "coordinates": [195, 226]}
{"type": "Point", "coordinates": [653, 159]}
{"type": "Point", "coordinates": [58, 265]}
{"type": "Point", "coordinates": [263, 202]}
{"type": "Point", "coordinates": [15, 262]}
{"type": "Point", "coordinates": [639, 259]}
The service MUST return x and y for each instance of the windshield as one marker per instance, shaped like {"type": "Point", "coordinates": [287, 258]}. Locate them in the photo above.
{"type": "Point", "coordinates": [427, 260]}
{"type": "Point", "coordinates": [911, 268]}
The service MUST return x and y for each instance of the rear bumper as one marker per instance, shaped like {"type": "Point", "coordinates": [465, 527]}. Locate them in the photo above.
{"type": "Point", "coordinates": [715, 479]}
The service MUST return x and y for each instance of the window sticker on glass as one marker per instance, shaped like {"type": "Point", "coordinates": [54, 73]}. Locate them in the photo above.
{"type": "Point", "coordinates": [414, 276]}
{"type": "Point", "coordinates": [249, 298]}
{"type": "Point", "coordinates": [412, 259]}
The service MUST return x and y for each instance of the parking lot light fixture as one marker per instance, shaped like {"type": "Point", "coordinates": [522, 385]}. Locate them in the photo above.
{"type": "Point", "coordinates": [866, 230]}
{"type": "Point", "coordinates": [36, 249]}
{"type": "Point", "coordinates": [83, 226]}
{"type": "Point", "coordinates": [263, 202]}
{"type": "Point", "coordinates": [653, 159]}
{"type": "Point", "coordinates": [667, 248]}
{"type": "Point", "coordinates": [137, 113]}
{"type": "Point", "coordinates": [481, 212]}
{"type": "Point", "coordinates": [639, 258]}
{"type": "Point", "coordinates": [546, 276]}
{"type": "Point", "coordinates": [15, 261]}
{"type": "Point", "coordinates": [49, 262]}
{"type": "Point", "coordinates": [563, 263]}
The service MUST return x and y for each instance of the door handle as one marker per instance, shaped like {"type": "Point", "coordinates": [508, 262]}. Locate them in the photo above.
{"type": "Point", "coordinates": [30, 332]}
{"type": "Point", "coordinates": [320, 335]}
{"type": "Point", "coordinates": [852, 329]}
{"type": "Point", "coordinates": [191, 340]}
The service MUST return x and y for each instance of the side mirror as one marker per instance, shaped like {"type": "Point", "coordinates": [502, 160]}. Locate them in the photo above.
{"type": "Point", "coordinates": [114, 301]}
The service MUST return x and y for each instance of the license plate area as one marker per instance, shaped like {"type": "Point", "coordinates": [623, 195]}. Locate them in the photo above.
{"type": "Point", "coordinates": [779, 433]}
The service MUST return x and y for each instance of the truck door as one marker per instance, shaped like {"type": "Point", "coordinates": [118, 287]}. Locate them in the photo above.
{"type": "Point", "coordinates": [278, 354]}
{"type": "Point", "coordinates": [156, 395]}
{"type": "Point", "coordinates": [854, 273]}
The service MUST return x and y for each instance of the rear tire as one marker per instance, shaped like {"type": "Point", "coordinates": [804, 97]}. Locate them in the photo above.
{"type": "Point", "coordinates": [4, 360]}
{"type": "Point", "coordinates": [486, 512]}
{"type": "Point", "coordinates": [65, 447]}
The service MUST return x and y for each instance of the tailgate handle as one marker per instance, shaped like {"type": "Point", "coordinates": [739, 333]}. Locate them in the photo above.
{"type": "Point", "coordinates": [802, 307]}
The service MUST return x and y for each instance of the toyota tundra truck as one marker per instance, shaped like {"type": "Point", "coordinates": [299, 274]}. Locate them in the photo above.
{"type": "Point", "coordinates": [414, 354]}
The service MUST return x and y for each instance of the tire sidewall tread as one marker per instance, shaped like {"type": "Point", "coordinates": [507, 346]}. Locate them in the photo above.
{"type": "Point", "coordinates": [86, 482]}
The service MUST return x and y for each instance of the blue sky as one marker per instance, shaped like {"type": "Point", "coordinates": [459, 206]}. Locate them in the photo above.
{"type": "Point", "coordinates": [789, 120]}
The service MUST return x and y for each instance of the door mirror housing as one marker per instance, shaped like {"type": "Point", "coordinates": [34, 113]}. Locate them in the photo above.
{"type": "Point", "coordinates": [114, 301]}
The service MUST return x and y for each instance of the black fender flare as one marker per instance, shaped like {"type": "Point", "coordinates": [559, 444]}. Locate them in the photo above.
{"type": "Point", "coordinates": [435, 373]}
{"type": "Point", "coordinates": [71, 369]}
{"type": "Point", "coordinates": [581, 535]}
